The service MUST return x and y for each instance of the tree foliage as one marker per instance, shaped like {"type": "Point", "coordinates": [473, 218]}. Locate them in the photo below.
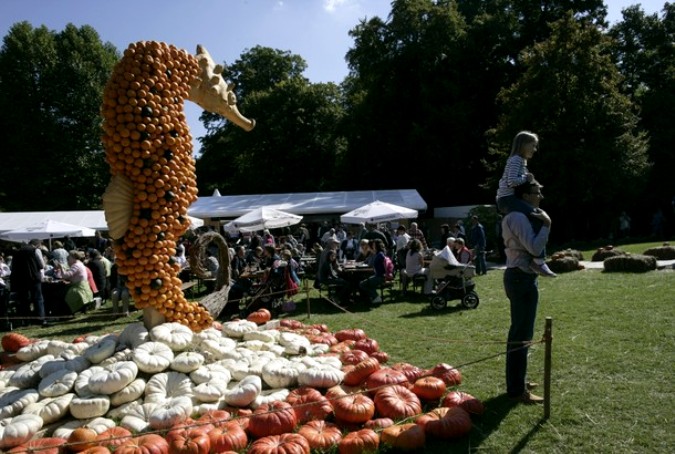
{"type": "Point", "coordinates": [51, 87]}
{"type": "Point", "coordinates": [295, 145]}
{"type": "Point", "coordinates": [592, 155]}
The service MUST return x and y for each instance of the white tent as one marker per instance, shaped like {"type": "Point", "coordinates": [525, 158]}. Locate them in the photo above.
{"type": "Point", "coordinates": [305, 203]}
{"type": "Point", "coordinates": [378, 211]}
{"type": "Point", "coordinates": [47, 229]}
{"type": "Point", "coordinates": [263, 218]}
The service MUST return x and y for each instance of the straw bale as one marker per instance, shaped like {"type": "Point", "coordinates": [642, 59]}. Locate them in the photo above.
{"type": "Point", "coordinates": [605, 252]}
{"type": "Point", "coordinates": [564, 264]}
{"type": "Point", "coordinates": [664, 252]}
{"type": "Point", "coordinates": [633, 263]}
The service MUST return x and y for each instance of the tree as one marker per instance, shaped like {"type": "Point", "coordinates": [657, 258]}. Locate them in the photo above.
{"type": "Point", "coordinates": [51, 87]}
{"type": "Point", "coordinates": [592, 158]}
{"type": "Point", "coordinates": [295, 145]}
{"type": "Point", "coordinates": [643, 52]}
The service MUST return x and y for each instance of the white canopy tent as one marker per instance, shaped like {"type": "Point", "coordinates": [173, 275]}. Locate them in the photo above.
{"type": "Point", "coordinates": [263, 218]}
{"type": "Point", "coordinates": [378, 211]}
{"type": "Point", "coordinates": [93, 219]}
{"type": "Point", "coordinates": [306, 203]}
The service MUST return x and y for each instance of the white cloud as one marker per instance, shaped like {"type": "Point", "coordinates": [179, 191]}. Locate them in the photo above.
{"type": "Point", "coordinates": [332, 5]}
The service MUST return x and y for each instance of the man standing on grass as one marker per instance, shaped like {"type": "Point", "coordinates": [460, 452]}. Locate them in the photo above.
{"type": "Point", "coordinates": [520, 284]}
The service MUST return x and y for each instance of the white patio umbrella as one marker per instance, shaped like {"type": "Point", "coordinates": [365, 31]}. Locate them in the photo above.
{"type": "Point", "coordinates": [263, 218]}
{"type": "Point", "coordinates": [47, 229]}
{"type": "Point", "coordinates": [378, 211]}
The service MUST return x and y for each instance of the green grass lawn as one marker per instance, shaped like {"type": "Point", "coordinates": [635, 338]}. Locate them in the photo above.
{"type": "Point", "coordinates": [613, 358]}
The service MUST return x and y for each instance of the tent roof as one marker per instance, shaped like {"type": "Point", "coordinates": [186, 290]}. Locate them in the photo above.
{"type": "Point", "coordinates": [232, 206]}
{"type": "Point", "coordinates": [94, 219]}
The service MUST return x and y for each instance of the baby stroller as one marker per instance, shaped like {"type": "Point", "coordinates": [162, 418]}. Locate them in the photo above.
{"type": "Point", "coordinates": [454, 281]}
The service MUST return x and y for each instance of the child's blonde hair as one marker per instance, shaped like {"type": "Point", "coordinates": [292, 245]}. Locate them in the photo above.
{"type": "Point", "coordinates": [521, 139]}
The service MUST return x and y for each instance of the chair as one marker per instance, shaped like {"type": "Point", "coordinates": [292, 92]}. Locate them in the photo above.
{"type": "Point", "coordinates": [420, 280]}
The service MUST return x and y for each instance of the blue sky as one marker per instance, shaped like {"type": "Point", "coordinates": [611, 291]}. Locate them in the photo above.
{"type": "Point", "coordinates": [317, 30]}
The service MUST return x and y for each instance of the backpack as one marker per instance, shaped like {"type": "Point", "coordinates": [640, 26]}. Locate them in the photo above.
{"type": "Point", "coordinates": [388, 269]}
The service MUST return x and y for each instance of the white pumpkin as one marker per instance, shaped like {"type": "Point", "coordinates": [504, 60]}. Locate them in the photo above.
{"type": "Point", "coordinates": [126, 354]}
{"type": "Point", "coordinates": [257, 365]}
{"type": "Point", "coordinates": [50, 409]}
{"type": "Point", "coordinates": [5, 375]}
{"type": "Point", "coordinates": [153, 357]}
{"type": "Point", "coordinates": [113, 377]}
{"type": "Point", "coordinates": [81, 385]}
{"type": "Point", "coordinates": [187, 362]}
{"type": "Point", "coordinates": [28, 375]}
{"type": "Point", "coordinates": [269, 336]}
{"type": "Point", "coordinates": [129, 393]}
{"type": "Point", "coordinates": [134, 335]}
{"type": "Point", "coordinates": [272, 324]}
{"type": "Point", "coordinates": [170, 412]}
{"type": "Point", "coordinates": [208, 333]}
{"type": "Point", "coordinates": [124, 409]}
{"type": "Point", "coordinates": [13, 401]}
{"type": "Point", "coordinates": [52, 366]}
{"type": "Point", "coordinates": [318, 349]}
{"type": "Point", "coordinates": [32, 351]}
{"type": "Point", "coordinates": [320, 376]}
{"type": "Point", "coordinates": [294, 344]}
{"type": "Point", "coordinates": [100, 425]}
{"type": "Point", "coordinates": [100, 350]}
{"type": "Point", "coordinates": [237, 329]}
{"type": "Point", "coordinates": [19, 429]}
{"type": "Point", "coordinates": [136, 417]}
{"type": "Point", "coordinates": [219, 347]}
{"type": "Point", "coordinates": [333, 361]}
{"type": "Point", "coordinates": [89, 407]}
{"type": "Point", "coordinates": [269, 396]}
{"type": "Point", "coordinates": [66, 429]}
{"type": "Point", "coordinates": [254, 345]}
{"type": "Point", "coordinates": [77, 349]}
{"type": "Point", "coordinates": [275, 349]}
{"type": "Point", "coordinates": [211, 372]}
{"type": "Point", "coordinates": [178, 337]}
{"type": "Point", "coordinates": [206, 407]}
{"type": "Point", "coordinates": [166, 385]}
{"type": "Point", "coordinates": [56, 347]}
{"type": "Point", "coordinates": [76, 364]}
{"type": "Point", "coordinates": [58, 383]}
{"type": "Point", "coordinates": [238, 368]}
{"type": "Point", "coordinates": [281, 373]}
{"type": "Point", "coordinates": [244, 392]}
{"type": "Point", "coordinates": [210, 391]}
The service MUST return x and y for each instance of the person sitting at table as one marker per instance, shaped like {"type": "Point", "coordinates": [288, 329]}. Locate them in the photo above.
{"type": "Point", "coordinates": [366, 253]}
{"type": "Point", "coordinates": [332, 244]}
{"type": "Point", "coordinates": [59, 254]}
{"type": "Point", "coordinates": [371, 284]}
{"type": "Point", "coordinates": [349, 247]}
{"type": "Point", "coordinates": [254, 257]}
{"type": "Point", "coordinates": [268, 238]}
{"type": "Point", "coordinates": [414, 266]}
{"type": "Point", "coordinates": [330, 276]}
{"type": "Point", "coordinates": [238, 262]}
{"type": "Point", "coordinates": [79, 291]}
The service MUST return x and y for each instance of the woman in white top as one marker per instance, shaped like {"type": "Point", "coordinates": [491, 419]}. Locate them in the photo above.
{"type": "Point", "coordinates": [414, 265]}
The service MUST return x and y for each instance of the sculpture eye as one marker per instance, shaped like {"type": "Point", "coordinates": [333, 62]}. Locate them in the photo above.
{"type": "Point", "coordinates": [231, 98]}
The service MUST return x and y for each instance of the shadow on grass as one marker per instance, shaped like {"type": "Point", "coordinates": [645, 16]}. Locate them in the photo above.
{"type": "Point", "coordinates": [428, 310]}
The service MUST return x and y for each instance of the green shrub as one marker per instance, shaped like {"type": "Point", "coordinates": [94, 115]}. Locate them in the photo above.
{"type": "Point", "coordinates": [661, 253]}
{"type": "Point", "coordinates": [635, 263]}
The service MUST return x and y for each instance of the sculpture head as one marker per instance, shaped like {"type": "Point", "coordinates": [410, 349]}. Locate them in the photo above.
{"type": "Point", "coordinates": [210, 91]}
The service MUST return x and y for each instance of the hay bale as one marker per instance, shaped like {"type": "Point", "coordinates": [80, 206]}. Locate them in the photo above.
{"type": "Point", "coordinates": [635, 263]}
{"type": "Point", "coordinates": [662, 252]}
{"type": "Point", "coordinates": [564, 264]}
{"type": "Point", "coordinates": [568, 253]}
{"type": "Point", "coordinates": [605, 252]}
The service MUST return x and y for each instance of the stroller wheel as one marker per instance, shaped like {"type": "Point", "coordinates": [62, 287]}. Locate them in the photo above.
{"type": "Point", "coordinates": [438, 302]}
{"type": "Point", "coordinates": [470, 300]}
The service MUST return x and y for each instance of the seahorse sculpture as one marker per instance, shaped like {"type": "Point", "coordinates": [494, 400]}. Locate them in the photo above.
{"type": "Point", "coordinates": [149, 150]}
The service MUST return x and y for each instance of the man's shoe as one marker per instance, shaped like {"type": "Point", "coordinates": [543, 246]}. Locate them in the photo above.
{"type": "Point", "coordinates": [530, 385]}
{"type": "Point", "coordinates": [542, 269]}
{"type": "Point", "coordinates": [528, 398]}
{"type": "Point", "coordinates": [377, 300]}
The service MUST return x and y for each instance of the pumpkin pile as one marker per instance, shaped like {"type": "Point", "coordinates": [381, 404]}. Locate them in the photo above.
{"type": "Point", "coordinates": [148, 148]}
{"type": "Point", "coordinates": [260, 386]}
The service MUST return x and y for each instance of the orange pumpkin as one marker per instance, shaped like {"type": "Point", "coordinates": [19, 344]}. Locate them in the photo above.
{"type": "Point", "coordinates": [321, 435]}
{"type": "Point", "coordinates": [410, 371]}
{"type": "Point", "coordinates": [350, 334]}
{"type": "Point", "coordinates": [429, 388]}
{"type": "Point", "coordinates": [360, 441]}
{"type": "Point", "coordinates": [309, 404]}
{"type": "Point", "coordinates": [469, 403]}
{"type": "Point", "coordinates": [272, 419]}
{"type": "Point", "coordinates": [405, 437]}
{"type": "Point", "coordinates": [145, 444]}
{"type": "Point", "coordinates": [81, 439]}
{"type": "Point", "coordinates": [454, 423]}
{"type": "Point", "coordinates": [361, 371]}
{"type": "Point", "coordinates": [368, 345]}
{"type": "Point", "coordinates": [96, 450]}
{"type": "Point", "coordinates": [397, 402]}
{"type": "Point", "coordinates": [40, 445]}
{"type": "Point", "coordinates": [229, 436]}
{"type": "Point", "coordinates": [114, 436]}
{"type": "Point", "coordinates": [215, 418]}
{"type": "Point", "coordinates": [378, 423]}
{"type": "Point", "coordinates": [447, 373]}
{"type": "Point", "coordinates": [384, 377]}
{"type": "Point", "coordinates": [354, 408]}
{"type": "Point", "coordinates": [287, 443]}
{"type": "Point", "coordinates": [353, 356]}
{"type": "Point", "coordinates": [188, 441]}
{"type": "Point", "coordinates": [382, 357]}
{"type": "Point", "coordinates": [260, 316]}
{"type": "Point", "coordinates": [12, 342]}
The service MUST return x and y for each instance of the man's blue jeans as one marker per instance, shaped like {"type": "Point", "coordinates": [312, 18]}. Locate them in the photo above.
{"type": "Point", "coordinates": [481, 264]}
{"type": "Point", "coordinates": [523, 292]}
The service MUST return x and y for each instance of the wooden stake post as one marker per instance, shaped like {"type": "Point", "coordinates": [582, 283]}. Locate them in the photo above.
{"type": "Point", "coordinates": [548, 336]}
